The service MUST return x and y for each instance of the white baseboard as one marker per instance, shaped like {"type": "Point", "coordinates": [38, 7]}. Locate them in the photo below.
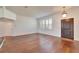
{"type": "Point", "coordinates": [23, 34]}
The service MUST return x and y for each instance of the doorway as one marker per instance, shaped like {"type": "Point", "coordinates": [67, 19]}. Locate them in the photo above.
{"type": "Point", "coordinates": [67, 28]}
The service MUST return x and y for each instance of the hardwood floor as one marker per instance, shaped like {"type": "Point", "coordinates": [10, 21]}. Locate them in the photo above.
{"type": "Point", "coordinates": [39, 43]}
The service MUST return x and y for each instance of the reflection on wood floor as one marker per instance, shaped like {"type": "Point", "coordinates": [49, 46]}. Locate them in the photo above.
{"type": "Point", "coordinates": [39, 43]}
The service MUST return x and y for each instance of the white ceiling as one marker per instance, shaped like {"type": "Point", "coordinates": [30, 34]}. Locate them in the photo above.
{"type": "Point", "coordinates": [34, 11]}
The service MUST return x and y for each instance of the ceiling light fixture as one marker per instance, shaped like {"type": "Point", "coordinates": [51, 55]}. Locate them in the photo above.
{"type": "Point", "coordinates": [64, 13]}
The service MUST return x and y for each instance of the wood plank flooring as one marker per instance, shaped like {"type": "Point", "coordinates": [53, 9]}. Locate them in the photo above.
{"type": "Point", "coordinates": [39, 43]}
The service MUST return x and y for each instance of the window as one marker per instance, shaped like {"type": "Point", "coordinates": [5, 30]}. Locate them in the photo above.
{"type": "Point", "coordinates": [45, 24]}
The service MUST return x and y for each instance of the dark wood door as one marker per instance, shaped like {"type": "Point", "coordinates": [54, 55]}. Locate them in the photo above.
{"type": "Point", "coordinates": [67, 28]}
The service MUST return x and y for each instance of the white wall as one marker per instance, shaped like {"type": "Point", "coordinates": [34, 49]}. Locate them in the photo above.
{"type": "Point", "coordinates": [74, 12]}
{"type": "Point", "coordinates": [5, 28]}
{"type": "Point", "coordinates": [24, 25]}
{"type": "Point", "coordinates": [56, 31]}
{"type": "Point", "coordinates": [1, 29]}
{"type": "Point", "coordinates": [21, 26]}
